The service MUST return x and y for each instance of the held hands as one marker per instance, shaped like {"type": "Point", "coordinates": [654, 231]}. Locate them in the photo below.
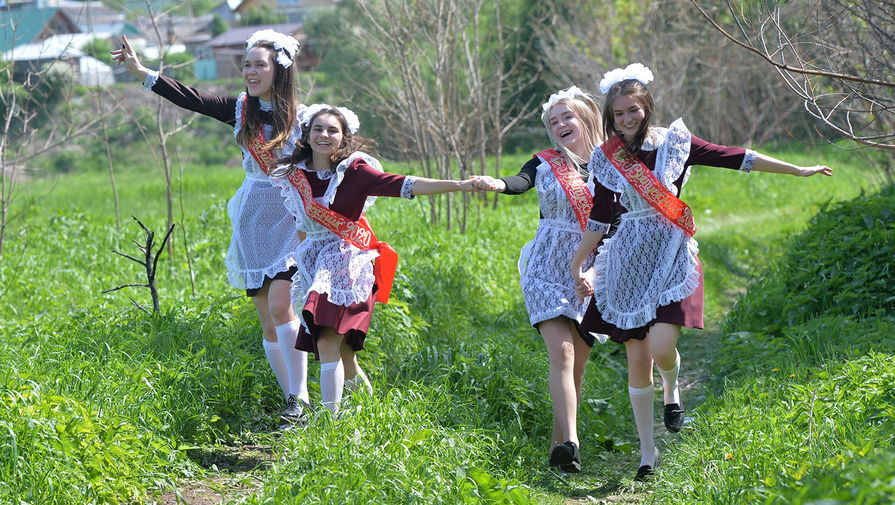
{"type": "Point", "coordinates": [483, 183]}
{"type": "Point", "coordinates": [583, 282]}
{"type": "Point", "coordinates": [468, 186]}
{"type": "Point", "coordinates": [126, 54]}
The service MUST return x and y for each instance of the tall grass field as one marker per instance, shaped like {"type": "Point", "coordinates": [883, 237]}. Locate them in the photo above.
{"type": "Point", "coordinates": [102, 403]}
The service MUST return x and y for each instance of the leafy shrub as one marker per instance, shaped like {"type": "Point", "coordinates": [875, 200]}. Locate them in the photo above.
{"type": "Point", "coordinates": [795, 435]}
{"type": "Point", "coordinates": [843, 264]}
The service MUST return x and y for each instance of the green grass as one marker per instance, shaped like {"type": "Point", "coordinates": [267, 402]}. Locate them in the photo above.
{"type": "Point", "coordinates": [132, 405]}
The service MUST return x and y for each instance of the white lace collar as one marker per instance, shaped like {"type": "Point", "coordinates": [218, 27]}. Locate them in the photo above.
{"type": "Point", "coordinates": [266, 105]}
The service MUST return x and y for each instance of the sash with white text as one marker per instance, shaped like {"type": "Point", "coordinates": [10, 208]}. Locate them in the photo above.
{"type": "Point", "coordinates": [647, 186]}
{"type": "Point", "coordinates": [570, 180]}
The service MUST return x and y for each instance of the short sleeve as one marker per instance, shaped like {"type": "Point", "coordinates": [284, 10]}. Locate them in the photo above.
{"type": "Point", "coordinates": [373, 182]}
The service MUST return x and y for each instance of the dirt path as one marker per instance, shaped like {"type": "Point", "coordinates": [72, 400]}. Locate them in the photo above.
{"type": "Point", "coordinates": [233, 472]}
{"type": "Point", "coordinates": [612, 483]}
{"type": "Point", "coordinates": [238, 471]}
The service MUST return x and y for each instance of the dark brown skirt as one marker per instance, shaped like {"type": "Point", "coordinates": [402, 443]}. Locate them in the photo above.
{"type": "Point", "coordinates": [285, 275]}
{"type": "Point", "coordinates": [686, 312]}
{"type": "Point", "coordinates": [352, 321]}
{"type": "Point", "coordinates": [589, 339]}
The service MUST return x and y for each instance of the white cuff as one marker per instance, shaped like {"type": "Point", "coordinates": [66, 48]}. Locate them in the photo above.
{"type": "Point", "coordinates": [407, 187]}
{"type": "Point", "coordinates": [149, 82]}
{"type": "Point", "coordinates": [748, 161]}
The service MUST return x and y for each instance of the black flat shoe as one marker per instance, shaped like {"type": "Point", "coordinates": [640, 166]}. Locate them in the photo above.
{"type": "Point", "coordinates": [644, 473]}
{"type": "Point", "coordinates": [566, 457]}
{"type": "Point", "coordinates": [674, 417]}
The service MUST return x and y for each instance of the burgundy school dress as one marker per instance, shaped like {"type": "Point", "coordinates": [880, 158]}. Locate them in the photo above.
{"type": "Point", "coordinates": [649, 272]}
{"type": "Point", "coordinates": [334, 285]}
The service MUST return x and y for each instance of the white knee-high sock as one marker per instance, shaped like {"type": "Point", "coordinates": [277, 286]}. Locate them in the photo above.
{"type": "Point", "coordinates": [642, 402]}
{"type": "Point", "coordinates": [275, 358]}
{"type": "Point", "coordinates": [332, 381]}
{"type": "Point", "coordinates": [296, 361]}
{"type": "Point", "coordinates": [669, 382]}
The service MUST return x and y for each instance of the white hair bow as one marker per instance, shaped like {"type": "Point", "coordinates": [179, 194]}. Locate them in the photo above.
{"type": "Point", "coordinates": [634, 71]}
{"type": "Point", "coordinates": [281, 43]}
{"type": "Point", "coordinates": [570, 92]}
{"type": "Point", "coordinates": [309, 112]}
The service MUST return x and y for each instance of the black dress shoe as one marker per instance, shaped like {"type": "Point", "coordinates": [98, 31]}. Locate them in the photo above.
{"type": "Point", "coordinates": [566, 457]}
{"type": "Point", "coordinates": [643, 473]}
{"type": "Point", "coordinates": [674, 417]}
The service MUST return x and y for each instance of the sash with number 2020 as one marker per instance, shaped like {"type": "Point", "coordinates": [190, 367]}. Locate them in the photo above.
{"type": "Point", "coordinates": [357, 233]}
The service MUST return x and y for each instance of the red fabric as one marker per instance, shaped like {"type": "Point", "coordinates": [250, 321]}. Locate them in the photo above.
{"type": "Point", "coordinates": [358, 232]}
{"type": "Point", "coordinates": [650, 189]}
{"type": "Point", "coordinates": [575, 189]}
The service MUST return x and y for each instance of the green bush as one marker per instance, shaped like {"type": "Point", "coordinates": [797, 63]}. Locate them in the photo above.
{"type": "Point", "coordinates": [843, 264]}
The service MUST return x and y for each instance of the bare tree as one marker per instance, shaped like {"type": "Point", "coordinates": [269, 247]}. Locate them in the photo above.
{"type": "Point", "coordinates": [35, 119]}
{"type": "Point", "coordinates": [149, 262]}
{"type": "Point", "coordinates": [697, 78]}
{"type": "Point", "coordinates": [432, 78]}
{"type": "Point", "coordinates": [835, 56]}
{"type": "Point", "coordinates": [164, 135]}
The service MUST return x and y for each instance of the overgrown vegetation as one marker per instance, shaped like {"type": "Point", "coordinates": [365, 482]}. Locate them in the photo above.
{"type": "Point", "coordinates": [135, 406]}
{"type": "Point", "coordinates": [805, 409]}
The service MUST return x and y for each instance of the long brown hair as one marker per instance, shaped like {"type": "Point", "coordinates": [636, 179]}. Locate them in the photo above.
{"type": "Point", "coordinates": [351, 142]}
{"type": "Point", "coordinates": [638, 92]}
{"type": "Point", "coordinates": [283, 100]}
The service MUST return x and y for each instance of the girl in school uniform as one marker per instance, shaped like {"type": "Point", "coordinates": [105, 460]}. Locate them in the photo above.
{"type": "Point", "coordinates": [260, 259]}
{"type": "Point", "coordinates": [565, 195]}
{"type": "Point", "coordinates": [648, 281]}
{"type": "Point", "coordinates": [328, 183]}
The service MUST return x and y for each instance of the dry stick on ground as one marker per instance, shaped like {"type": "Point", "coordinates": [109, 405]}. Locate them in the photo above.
{"type": "Point", "coordinates": [149, 263]}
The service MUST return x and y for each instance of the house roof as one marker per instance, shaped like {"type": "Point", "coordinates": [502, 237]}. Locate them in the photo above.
{"type": "Point", "coordinates": [58, 46]}
{"type": "Point", "coordinates": [239, 34]}
{"type": "Point", "coordinates": [22, 26]}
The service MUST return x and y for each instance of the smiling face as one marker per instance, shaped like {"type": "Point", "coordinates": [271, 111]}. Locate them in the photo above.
{"type": "Point", "coordinates": [627, 115]}
{"type": "Point", "coordinates": [258, 72]}
{"type": "Point", "coordinates": [325, 135]}
{"type": "Point", "coordinates": [565, 126]}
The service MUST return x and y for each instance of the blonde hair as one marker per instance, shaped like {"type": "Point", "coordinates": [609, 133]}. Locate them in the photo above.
{"type": "Point", "coordinates": [587, 111]}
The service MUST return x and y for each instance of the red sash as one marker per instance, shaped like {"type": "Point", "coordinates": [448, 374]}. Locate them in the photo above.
{"type": "Point", "coordinates": [357, 233]}
{"type": "Point", "coordinates": [648, 187]}
{"type": "Point", "coordinates": [570, 180]}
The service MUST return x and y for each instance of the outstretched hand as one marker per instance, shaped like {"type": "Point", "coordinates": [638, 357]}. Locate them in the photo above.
{"type": "Point", "coordinates": [468, 186]}
{"type": "Point", "coordinates": [126, 55]}
{"type": "Point", "coordinates": [816, 169]}
{"type": "Point", "coordinates": [484, 183]}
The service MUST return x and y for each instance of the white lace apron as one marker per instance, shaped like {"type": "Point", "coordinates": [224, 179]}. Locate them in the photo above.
{"type": "Point", "coordinates": [649, 262]}
{"type": "Point", "coordinates": [263, 240]}
{"type": "Point", "coordinates": [547, 286]}
{"type": "Point", "coordinates": [327, 264]}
